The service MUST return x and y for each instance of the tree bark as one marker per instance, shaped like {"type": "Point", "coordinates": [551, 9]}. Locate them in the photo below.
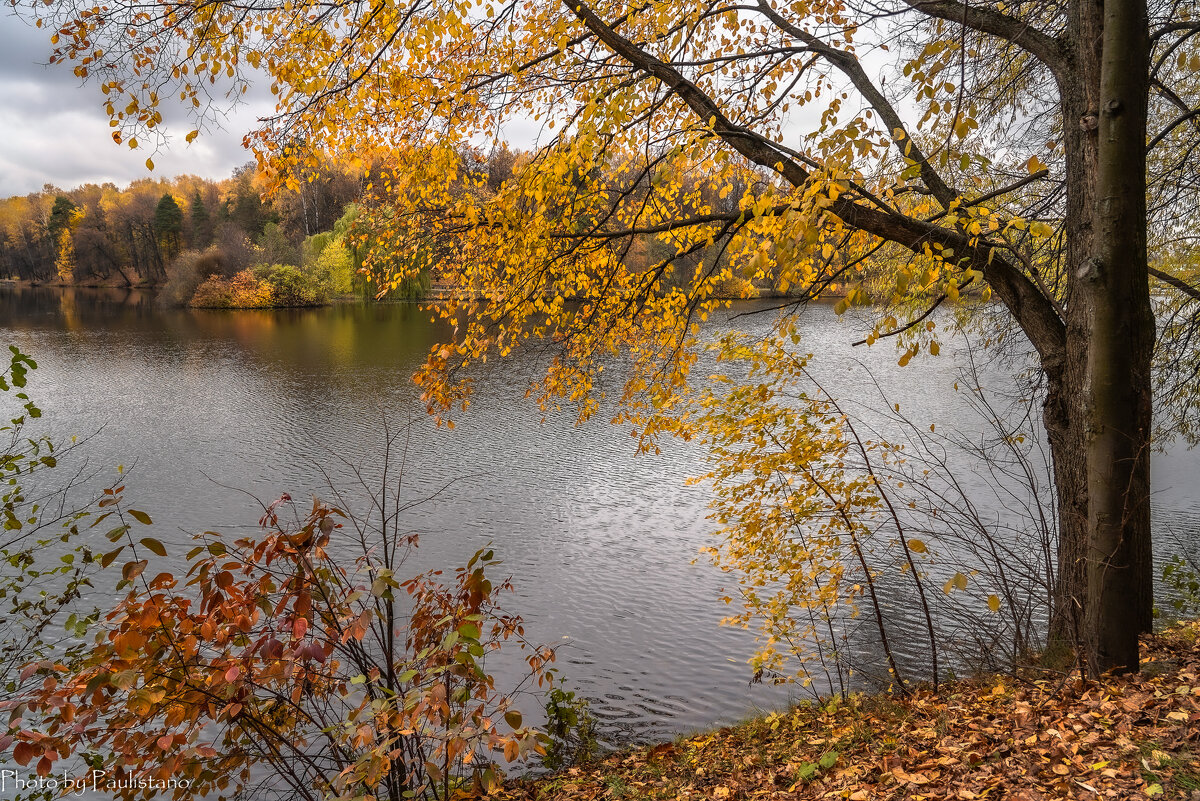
{"type": "Point", "coordinates": [1114, 285]}
{"type": "Point", "coordinates": [1098, 407]}
{"type": "Point", "coordinates": [1065, 406]}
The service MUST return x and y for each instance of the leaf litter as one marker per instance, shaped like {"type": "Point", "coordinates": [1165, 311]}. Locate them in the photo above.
{"type": "Point", "coordinates": [1026, 738]}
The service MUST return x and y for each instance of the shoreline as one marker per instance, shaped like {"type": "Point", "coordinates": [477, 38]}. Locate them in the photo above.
{"type": "Point", "coordinates": [1025, 738]}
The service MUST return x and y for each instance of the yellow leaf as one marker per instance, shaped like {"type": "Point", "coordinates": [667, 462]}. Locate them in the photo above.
{"type": "Point", "coordinates": [917, 546]}
{"type": "Point", "coordinates": [956, 582]}
{"type": "Point", "coordinates": [994, 603]}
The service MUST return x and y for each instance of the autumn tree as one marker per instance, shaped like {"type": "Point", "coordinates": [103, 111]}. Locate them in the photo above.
{"type": "Point", "coordinates": [26, 252]}
{"type": "Point", "coordinates": [64, 217]}
{"type": "Point", "coordinates": [307, 661]}
{"type": "Point", "coordinates": [990, 147]}
{"type": "Point", "coordinates": [95, 254]}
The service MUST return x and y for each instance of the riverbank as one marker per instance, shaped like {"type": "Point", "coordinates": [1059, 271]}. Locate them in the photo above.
{"type": "Point", "coordinates": [113, 283]}
{"type": "Point", "coordinates": [1032, 739]}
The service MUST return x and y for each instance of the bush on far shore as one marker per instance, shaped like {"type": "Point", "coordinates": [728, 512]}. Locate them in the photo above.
{"type": "Point", "coordinates": [233, 273]}
{"type": "Point", "coordinates": [242, 291]}
{"type": "Point", "coordinates": [188, 271]}
{"type": "Point", "coordinates": [264, 286]}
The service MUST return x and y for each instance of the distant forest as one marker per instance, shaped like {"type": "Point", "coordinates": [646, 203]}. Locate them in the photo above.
{"type": "Point", "coordinates": [107, 236]}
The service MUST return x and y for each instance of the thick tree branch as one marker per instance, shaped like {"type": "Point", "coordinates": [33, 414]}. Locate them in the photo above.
{"type": "Point", "coordinates": [1032, 310]}
{"type": "Point", "coordinates": [853, 70]}
{"type": "Point", "coordinates": [750, 144]}
{"type": "Point", "coordinates": [1178, 283]}
{"type": "Point", "coordinates": [1045, 48]}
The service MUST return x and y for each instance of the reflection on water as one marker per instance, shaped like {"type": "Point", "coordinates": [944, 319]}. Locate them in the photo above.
{"type": "Point", "coordinates": [599, 542]}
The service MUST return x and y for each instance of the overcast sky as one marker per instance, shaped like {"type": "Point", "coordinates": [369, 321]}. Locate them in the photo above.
{"type": "Point", "coordinates": [54, 130]}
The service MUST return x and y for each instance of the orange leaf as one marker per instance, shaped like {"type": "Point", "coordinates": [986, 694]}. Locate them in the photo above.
{"type": "Point", "coordinates": [24, 753]}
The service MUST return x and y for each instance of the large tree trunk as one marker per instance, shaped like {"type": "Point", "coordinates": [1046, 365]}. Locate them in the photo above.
{"type": "Point", "coordinates": [1098, 408]}
{"type": "Point", "coordinates": [1115, 284]}
{"type": "Point", "coordinates": [1065, 408]}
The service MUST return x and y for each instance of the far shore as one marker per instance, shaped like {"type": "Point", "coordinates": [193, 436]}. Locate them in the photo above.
{"type": "Point", "coordinates": [438, 294]}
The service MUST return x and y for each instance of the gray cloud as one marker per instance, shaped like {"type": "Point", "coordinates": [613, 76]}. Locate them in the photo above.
{"type": "Point", "coordinates": [53, 129]}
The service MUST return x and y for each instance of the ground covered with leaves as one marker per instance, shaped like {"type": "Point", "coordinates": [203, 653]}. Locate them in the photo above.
{"type": "Point", "coordinates": [1000, 738]}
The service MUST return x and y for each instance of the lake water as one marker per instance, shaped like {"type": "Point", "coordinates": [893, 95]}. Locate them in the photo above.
{"type": "Point", "coordinates": [600, 541]}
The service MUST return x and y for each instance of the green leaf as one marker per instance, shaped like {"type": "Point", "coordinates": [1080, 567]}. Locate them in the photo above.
{"type": "Point", "coordinates": [154, 545]}
{"type": "Point", "coordinates": [108, 558]}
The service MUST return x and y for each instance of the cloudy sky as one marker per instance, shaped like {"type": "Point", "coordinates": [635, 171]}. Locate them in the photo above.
{"type": "Point", "coordinates": [53, 130]}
